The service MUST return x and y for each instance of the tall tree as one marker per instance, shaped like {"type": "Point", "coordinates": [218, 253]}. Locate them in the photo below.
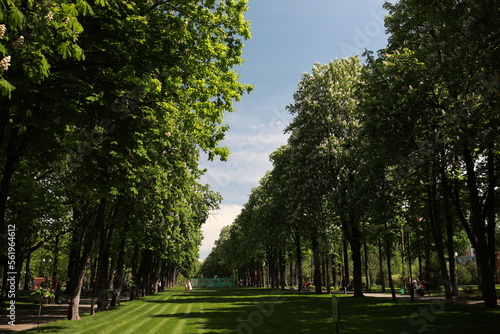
{"type": "Point", "coordinates": [124, 121]}
{"type": "Point", "coordinates": [325, 126]}
{"type": "Point", "coordinates": [454, 44]}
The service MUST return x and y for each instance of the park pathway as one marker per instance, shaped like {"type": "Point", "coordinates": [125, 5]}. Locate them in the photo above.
{"type": "Point", "coordinates": [28, 318]}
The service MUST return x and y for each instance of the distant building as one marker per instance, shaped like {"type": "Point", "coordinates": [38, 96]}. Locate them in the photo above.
{"type": "Point", "coordinates": [469, 256]}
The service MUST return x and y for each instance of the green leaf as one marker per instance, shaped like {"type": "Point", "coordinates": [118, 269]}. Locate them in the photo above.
{"type": "Point", "coordinates": [6, 87]}
{"type": "Point", "coordinates": [38, 68]}
{"type": "Point", "coordinates": [84, 7]}
{"type": "Point", "coordinates": [101, 2]}
{"type": "Point", "coordinates": [78, 52]}
{"type": "Point", "coordinates": [64, 50]}
{"type": "Point", "coordinates": [16, 18]}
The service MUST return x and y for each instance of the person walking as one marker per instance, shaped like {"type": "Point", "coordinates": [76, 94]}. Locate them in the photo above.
{"type": "Point", "coordinates": [344, 284]}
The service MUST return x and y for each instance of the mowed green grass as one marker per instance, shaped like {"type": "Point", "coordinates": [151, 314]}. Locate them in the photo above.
{"type": "Point", "coordinates": [254, 310]}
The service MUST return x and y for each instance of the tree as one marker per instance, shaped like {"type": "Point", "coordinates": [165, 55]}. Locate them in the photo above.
{"type": "Point", "coordinates": [326, 126]}
{"type": "Point", "coordinates": [453, 44]}
{"type": "Point", "coordinates": [123, 115]}
{"type": "Point", "coordinates": [32, 40]}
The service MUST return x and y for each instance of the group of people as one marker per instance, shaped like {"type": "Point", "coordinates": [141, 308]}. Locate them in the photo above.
{"type": "Point", "coordinates": [188, 287]}
{"type": "Point", "coordinates": [419, 286]}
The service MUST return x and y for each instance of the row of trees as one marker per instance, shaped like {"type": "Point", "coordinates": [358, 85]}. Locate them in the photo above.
{"type": "Point", "coordinates": [105, 107]}
{"type": "Point", "coordinates": [408, 139]}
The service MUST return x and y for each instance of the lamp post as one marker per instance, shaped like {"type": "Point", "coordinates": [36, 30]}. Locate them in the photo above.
{"type": "Point", "coordinates": [455, 277]}
{"type": "Point", "coordinates": [407, 230]}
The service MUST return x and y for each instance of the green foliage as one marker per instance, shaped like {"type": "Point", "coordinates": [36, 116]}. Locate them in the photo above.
{"type": "Point", "coordinates": [6, 87]}
{"type": "Point", "coordinates": [15, 19]}
{"type": "Point", "coordinates": [113, 103]}
{"type": "Point", "coordinates": [43, 294]}
{"type": "Point", "coordinates": [467, 273]}
{"type": "Point", "coordinates": [410, 138]}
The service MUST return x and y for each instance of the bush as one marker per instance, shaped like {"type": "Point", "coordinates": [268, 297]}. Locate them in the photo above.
{"type": "Point", "coordinates": [467, 274]}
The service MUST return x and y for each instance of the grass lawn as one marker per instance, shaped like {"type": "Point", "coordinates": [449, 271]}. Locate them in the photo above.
{"type": "Point", "coordinates": [253, 310]}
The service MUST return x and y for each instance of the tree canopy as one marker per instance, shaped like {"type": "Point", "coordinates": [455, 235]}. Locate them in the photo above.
{"type": "Point", "coordinates": [105, 108]}
{"type": "Point", "coordinates": [402, 146]}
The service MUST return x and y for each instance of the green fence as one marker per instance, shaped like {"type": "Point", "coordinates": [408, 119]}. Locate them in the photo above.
{"type": "Point", "coordinates": [212, 282]}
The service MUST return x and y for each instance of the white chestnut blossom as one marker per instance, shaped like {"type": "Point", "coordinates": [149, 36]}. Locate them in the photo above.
{"type": "Point", "coordinates": [3, 29]}
{"type": "Point", "coordinates": [49, 16]}
{"type": "Point", "coordinates": [19, 42]}
{"type": "Point", "coordinates": [5, 63]}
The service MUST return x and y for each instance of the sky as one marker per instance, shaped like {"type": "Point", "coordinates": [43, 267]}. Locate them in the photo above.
{"type": "Point", "coordinates": [288, 38]}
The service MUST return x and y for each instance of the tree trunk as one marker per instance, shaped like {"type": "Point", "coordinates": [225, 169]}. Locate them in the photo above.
{"type": "Point", "coordinates": [388, 251]}
{"type": "Point", "coordinates": [135, 274]}
{"type": "Point", "coordinates": [381, 264]}
{"type": "Point", "coordinates": [483, 232]}
{"type": "Point", "coordinates": [93, 283]}
{"type": "Point", "coordinates": [427, 253]}
{"type": "Point", "coordinates": [145, 272]}
{"type": "Point", "coordinates": [403, 265]}
{"type": "Point", "coordinates": [438, 239]}
{"type": "Point", "coordinates": [327, 271]}
{"type": "Point", "coordinates": [105, 234]}
{"type": "Point", "coordinates": [120, 273]}
{"type": "Point", "coordinates": [77, 281]}
{"type": "Point", "coordinates": [74, 304]}
{"type": "Point", "coordinates": [367, 269]}
{"type": "Point", "coordinates": [345, 257]}
{"type": "Point", "coordinates": [334, 270]}
{"type": "Point", "coordinates": [74, 257]}
{"type": "Point", "coordinates": [451, 248]}
{"type": "Point", "coordinates": [55, 277]}
{"type": "Point", "coordinates": [317, 265]}
{"type": "Point", "coordinates": [419, 248]}
{"type": "Point", "coordinates": [357, 267]}
{"type": "Point", "coordinates": [353, 235]}
{"type": "Point", "coordinates": [298, 247]}
{"type": "Point", "coordinates": [487, 278]}
{"type": "Point", "coordinates": [491, 299]}
{"type": "Point", "coordinates": [27, 276]}
{"type": "Point", "coordinates": [13, 155]}
{"type": "Point", "coordinates": [282, 266]}
{"type": "Point", "coordinates": [12, 158]}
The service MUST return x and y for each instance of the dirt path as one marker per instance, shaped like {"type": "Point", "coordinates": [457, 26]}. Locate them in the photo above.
{"type": "Point", "coordinates": [28, 318]}
{"type": "Point", "coordinates": [461, 300]}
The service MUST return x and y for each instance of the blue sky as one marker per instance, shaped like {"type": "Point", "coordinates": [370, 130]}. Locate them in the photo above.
{"type": "Point", "coordinates": [288, 37]}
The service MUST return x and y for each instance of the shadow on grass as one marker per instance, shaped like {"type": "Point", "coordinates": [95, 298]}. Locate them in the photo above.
{"type": "Point", "coordinates": [253, 310]}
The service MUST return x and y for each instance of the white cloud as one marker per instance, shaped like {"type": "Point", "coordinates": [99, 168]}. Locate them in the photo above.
{"type": "Point", "coordinates": [211, 229]}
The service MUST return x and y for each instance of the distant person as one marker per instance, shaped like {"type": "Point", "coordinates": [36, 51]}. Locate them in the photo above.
{"type": "Point", "coordinates": [190, 287]}
{"type": "Point", "coordinates": [186, 286]}
{"type": "Point", "coordinates": [344, 284]}
{"type": "Point", "coordinates": [421, 288]}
